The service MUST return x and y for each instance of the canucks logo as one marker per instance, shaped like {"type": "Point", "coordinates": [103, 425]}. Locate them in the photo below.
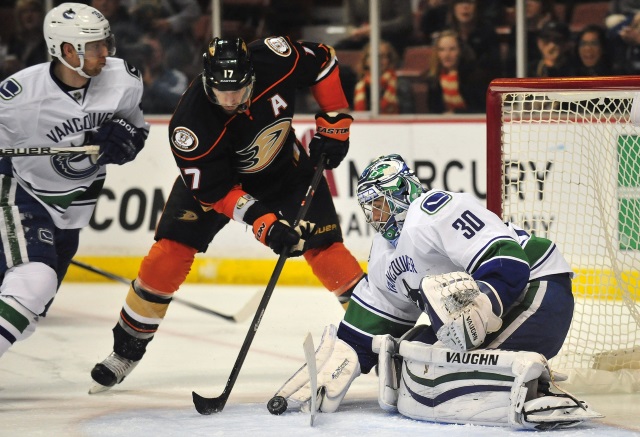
{"type": "Point", "coordinates": [74, 167]}
{"type": "Point", "coordinates": [69, 14]}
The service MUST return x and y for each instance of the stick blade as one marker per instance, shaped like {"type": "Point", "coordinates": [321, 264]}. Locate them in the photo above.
{"type": "Point", "coordinates": [310, 357]}
{"type": "Point", "coordinates": [249, 308]}
{"type": "Point", "coordinates": [207, 406]}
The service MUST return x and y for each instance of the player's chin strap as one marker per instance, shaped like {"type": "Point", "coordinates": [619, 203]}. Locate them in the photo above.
{"type": "Point", "coordinates": [483, 387]}
{"type": "Point", "coordinates": [76, 69]}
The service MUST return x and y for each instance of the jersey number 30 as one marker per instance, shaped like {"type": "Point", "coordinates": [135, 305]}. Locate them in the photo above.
{"type": "Point", "coordinates": [468, 223]}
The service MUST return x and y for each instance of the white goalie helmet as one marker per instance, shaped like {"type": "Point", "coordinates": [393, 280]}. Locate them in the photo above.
{"type": "Point", "coordinates": [76, 24]}
{"type": "Point", "coordinates": [385, 190]}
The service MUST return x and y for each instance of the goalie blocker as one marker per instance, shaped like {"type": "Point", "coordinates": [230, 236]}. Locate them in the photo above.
{"type": "Point", "coordinates": [484, 387]}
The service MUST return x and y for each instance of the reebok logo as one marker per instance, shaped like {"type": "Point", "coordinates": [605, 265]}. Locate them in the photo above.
{"type": "Point", "coordinates": [336, 373]}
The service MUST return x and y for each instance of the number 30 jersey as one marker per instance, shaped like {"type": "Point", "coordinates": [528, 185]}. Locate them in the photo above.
{"type": "Point", "coordinates": [445, 232]}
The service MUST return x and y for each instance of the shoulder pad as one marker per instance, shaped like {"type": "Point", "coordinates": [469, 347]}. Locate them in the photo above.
{"type": "Point", "coordinates": [133, 71]}
{"type": "Point", "coordinates": [9, 89]}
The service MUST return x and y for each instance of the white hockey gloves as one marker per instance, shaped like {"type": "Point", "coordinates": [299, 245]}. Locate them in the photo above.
{"type": "Point", "coordinates": [465, 312]}
{"type": "Point", "coordinates": [337, 365]}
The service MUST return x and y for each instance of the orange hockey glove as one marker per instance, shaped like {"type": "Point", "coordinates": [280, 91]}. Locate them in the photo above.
{"type": "Point", "coordinates": [331, 138]}
{"type": "Point", "coordinates": [279, 234]}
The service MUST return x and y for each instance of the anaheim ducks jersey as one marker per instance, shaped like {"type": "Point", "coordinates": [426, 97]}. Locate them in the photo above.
{"type": "Point", "coordinates": [36, 110]}
{"type": "Point", "coordinates": [255, 149]}
{"type": "Point", "coordinates": [447, 232]}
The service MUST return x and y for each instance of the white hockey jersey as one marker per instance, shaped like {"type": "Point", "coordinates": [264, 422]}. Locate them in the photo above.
{"type": "Point", "coordinates": [35, 111]}
{"type": "Point", "coordinates": [445, 232]}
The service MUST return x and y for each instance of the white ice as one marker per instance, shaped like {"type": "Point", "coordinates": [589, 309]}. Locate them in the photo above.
{"type": "Point", "coordinates": [44, 380]}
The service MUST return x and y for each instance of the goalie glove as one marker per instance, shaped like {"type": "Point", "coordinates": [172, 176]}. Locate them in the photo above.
{"type": "Point", "coordinates": [460, 312]}
{"type": "Point", "coordinates": [337, 366]}
{"type": "Point", "coordinates": [279, 234]}
{"type": "Point", "coordinates": [119, 141]}
{"type": "Point", "coordinates": [331, 138]}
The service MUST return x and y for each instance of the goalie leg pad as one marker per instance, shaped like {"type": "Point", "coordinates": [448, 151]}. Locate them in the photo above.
{"type": "Point", "coordinates": [484, 387]}
{"type": "Point", "coordinates": [389, 366]}
{"type": "Point", "coordinates": [337, 366]}
{"type": "Point", "coordinates": [390, 363]}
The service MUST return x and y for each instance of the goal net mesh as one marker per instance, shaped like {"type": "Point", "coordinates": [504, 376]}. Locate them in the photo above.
{"type": "Point", "coordinates": [569, 170]}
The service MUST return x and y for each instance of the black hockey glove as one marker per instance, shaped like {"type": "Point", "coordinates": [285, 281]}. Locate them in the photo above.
{"type": "Point", "coordinates": [279, 234]}
{"type": "Point", "coordinates": [331, 139]}
{"type": "Point", "coordinates": [119, 141]}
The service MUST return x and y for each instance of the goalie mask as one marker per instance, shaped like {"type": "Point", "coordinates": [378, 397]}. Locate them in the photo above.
{"type": "Point", "coordinates": [82, 26]}
{"type": "Point", "coordinates": [385, 190]}
{"type": "Point", "coordinates": [228, 75]}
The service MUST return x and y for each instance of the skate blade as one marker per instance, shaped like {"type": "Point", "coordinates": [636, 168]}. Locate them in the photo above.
{"type": "Point", "coordinates": [98, 388]}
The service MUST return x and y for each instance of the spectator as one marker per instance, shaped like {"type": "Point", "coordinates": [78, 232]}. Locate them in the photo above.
{"type": "Point", "coordinates": [538, 13]}
{"type": "Point", "coordinates": [163, 86]}
{"type": "Point", "coordinates": [554, 46]}
{"type": "Point", "coordinates": [624, 35]}
{"type": "Point", "coordinates": [171, 21]}
{"type": "Point", "coordinates": [396, 24]}
{"type": "Point", "coordinates": [456, 85]}
{"type": "Point", "coordinates": [592, 52]}
{"type": "Point", "coordinates": [388, 80]}
{"type": "Point", "coordinates": [434, 19]}
{"type": "Point", "coordinates": [126, 31]}
{"type": "Point", "coordinates": [479, 35]}
{"type": "Point", "coordinates": [27, 46]}
{"type": "Point", "coordinates": [625, 7]}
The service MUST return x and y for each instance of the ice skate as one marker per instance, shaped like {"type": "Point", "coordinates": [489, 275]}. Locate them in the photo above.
{"type": "Point", "coordinates": [111, 371]}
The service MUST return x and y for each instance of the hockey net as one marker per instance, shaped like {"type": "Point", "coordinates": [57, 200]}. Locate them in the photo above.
{"type": "Point", "coordinates": [563, 162]}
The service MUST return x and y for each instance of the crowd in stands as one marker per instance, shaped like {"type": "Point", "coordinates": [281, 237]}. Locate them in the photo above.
{"type": "Point", "coordinates": [436, 56]}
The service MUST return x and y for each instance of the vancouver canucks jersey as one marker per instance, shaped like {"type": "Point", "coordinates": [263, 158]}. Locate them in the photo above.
{"type": "Point", "coordinates": [445, 232]}
{"type": "Point", "coordinates": [35, 111]}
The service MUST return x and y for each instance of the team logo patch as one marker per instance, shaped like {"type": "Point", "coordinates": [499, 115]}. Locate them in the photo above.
{"type": "Point", "coordinates": [69, 14]}
{"type": "Point", "coordinates": [242, 201]}
{"type": "Point", "coordinates": [9, 89]}
{"type": "Point", "coordinates": [184, 139]}
{"type": "Point", "coordinates": [435, 201]}
{"type": "Point", "coordinates": [74, 167]}
{"type": "Point", "coordinates": [265, 147]}
{"type": "Point", "coordinates": [279, 46]}
{"type": "Point", "coordinates": [133, 71]}
{"type": "Point", "coordinates": [187, 216]}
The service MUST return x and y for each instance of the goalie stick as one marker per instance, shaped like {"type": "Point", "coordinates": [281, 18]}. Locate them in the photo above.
{"type": "Point", "coordinates": [238, 317]}
{"type": "Point", "coordinates": [48, 151]}
{"type": "Point", "coordinates": [215, 405]}
{"type": "Point", "coordinates": [310, 357]}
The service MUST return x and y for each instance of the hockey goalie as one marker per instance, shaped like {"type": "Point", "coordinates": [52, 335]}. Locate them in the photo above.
{"type": "Point", "coordinates": [499, 303]}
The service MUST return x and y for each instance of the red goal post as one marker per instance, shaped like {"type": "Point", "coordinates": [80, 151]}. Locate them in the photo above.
{"type": "Point", "coordinates": [563, 161]}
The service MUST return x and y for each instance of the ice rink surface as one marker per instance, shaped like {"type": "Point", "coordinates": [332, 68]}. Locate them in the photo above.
{"type": "Point", "coordinates": [44, 380]}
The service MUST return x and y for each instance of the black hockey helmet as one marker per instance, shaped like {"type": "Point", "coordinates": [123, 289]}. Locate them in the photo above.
{"type": "Point", "coordinates": [227, 66]}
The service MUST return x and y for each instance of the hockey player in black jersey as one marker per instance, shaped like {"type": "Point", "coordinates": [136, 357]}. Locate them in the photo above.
{"type": "Point", "coordinates": [239, 159]}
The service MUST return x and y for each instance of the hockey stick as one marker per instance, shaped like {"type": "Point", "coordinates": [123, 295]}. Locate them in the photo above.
{"type": "Point", "coordinates": [310, 357]}
{"type": "Point", "coordinates": [215, 405]}
{"type": "Point", "coordinates": [240, 316]}
{"type": "Point", "coordinates": [47, 151]}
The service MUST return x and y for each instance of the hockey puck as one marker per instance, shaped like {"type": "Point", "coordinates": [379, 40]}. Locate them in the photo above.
{"type": "Point", "coordinates": [277, 405]}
